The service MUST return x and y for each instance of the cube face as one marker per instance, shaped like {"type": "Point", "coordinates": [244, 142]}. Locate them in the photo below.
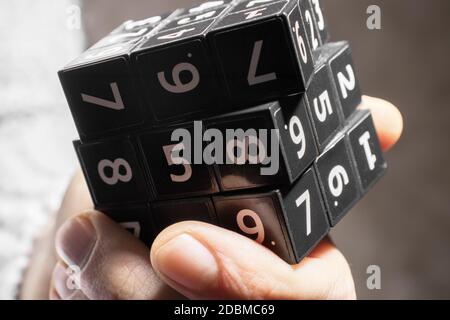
{"type": "Point", "coordinates": [296, 136]}
{"type": "Point", "coordinates": [173, 174]}
{"type": "Point", "coordinates": [238, 16]}
{"type": "Point", "coordinates": [338, 180]}
{"type": "Point", "coordinates": [175, 69]}
{"type": "Point", "coordinates": [256, 62]}
{"type": "Point", "coordinates": [257, 217]}
{"type": "Point", "coordinates": [313, 36]}
{"type": "Point", "coordinates": [180, 80]}
{"type": "Point", "coordinates": [247, 149]}
{"type": "Point", "coordinates": [137, 220]}
{"type": "Point", "coordinates": [130, 28]}
{"type": "Point", "coordinates": [166, 35]}
{"type": "Point", "coordinates": [248, 5]}
{"type": "Point", "coordinates": [320, 22]}
{"type": "Point", "coordinates": [256, 53]}
{"type": "Point", "coordinates": [196, 16]}
{"type": "Point", "coordinates": [207, 6]}
{"type": "Point", "coordinates": [113, 173]}
{"type": "Point", "coordinates": [303, 49]}
{"type": "Point", "coordinates": [101, 89]}
{"type": "Point", "coordinates": [102, 97]}
{"type": "Point", "coordinates": [305, 215]}
{"type": "Point", "coordinates": [166, 213]}
{"type": "Point", "coordinates": [97, 55]}
{"type": "Point", "coordinates": [290, 222]}
{"type": "Point", "coordinates": [323, 105]}
{"type": "Point", "coordinates": [283, 142]}
{"type": "Point", "coordinates": [130, 32]}
{"type": "Point", "coordinates": [343, 72]}
{"type": "Point", "coordinates": [366, 149]}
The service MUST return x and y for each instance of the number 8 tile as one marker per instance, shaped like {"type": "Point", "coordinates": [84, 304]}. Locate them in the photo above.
{"type": "Point", "coordinates": [112, 172]}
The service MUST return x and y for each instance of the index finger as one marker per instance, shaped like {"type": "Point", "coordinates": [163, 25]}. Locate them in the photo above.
{"type": "Point", "coordinates": [387, 119]}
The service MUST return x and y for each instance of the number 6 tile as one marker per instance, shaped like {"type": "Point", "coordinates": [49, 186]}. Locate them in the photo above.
{"type": "Point", "coordinates": [338, 179]}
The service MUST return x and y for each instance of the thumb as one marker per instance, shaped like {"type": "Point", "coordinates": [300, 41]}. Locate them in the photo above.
{"type": "Point", "coordinates": [105, 262]}
{"type": "Point", "coordinates": [202, 261]}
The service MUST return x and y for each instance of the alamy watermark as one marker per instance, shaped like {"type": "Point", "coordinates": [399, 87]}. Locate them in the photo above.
{"type": "Point", "coordinates": [374, 19]}
{"type": "Point", "coordinates": [73, 281]}
{"type": "Point", "coordinates": [373, 281]}
{"type": "Point", "coordinates": [234, 146]}
{"type": "Point", "coordinates": [73, 17]}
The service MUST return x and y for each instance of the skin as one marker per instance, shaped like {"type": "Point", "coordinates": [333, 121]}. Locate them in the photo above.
{"type": "Point", "coordinates": [190, 259]}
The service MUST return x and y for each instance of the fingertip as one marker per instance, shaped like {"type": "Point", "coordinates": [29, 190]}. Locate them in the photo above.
{"type": "Point", "coordinates": [75, 240]}
{"type": "Point", "coordinates": [218, 263]}
{"type": "Point", "coordinates": [184, 227]}
{"type": "Point", "coordinates": [387, 119]}
{"type": "Point", "coordinates": [187, 263]}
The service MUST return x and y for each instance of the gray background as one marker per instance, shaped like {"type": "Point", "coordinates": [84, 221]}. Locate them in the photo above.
{"type": "Point", "coordinates": [403, 224]}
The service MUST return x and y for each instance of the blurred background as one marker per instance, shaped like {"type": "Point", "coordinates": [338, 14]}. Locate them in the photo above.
{"type": "Point", "coordinates": [402, 226]}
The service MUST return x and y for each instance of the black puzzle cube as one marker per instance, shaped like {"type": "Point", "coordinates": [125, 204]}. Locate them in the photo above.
{"type": "Point", "coordinates": [299, 154]}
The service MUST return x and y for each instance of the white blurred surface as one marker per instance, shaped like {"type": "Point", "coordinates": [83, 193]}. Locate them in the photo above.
{"type": "Point", "coordinates": [36, 157]}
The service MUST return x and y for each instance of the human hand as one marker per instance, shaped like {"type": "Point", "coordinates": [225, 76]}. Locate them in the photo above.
{"type": "Point", "coordinates": [202, 261]}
